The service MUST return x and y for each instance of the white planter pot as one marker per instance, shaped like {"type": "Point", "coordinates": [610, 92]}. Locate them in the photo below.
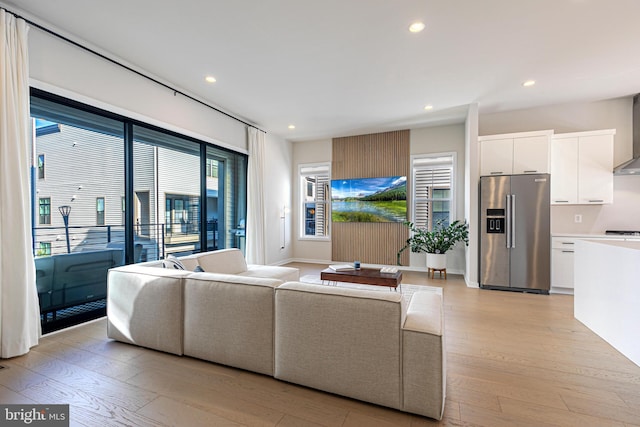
{"type": "Point", "coordinates": [437, 261]}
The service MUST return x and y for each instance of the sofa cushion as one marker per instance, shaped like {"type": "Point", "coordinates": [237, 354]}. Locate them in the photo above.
{"type": "Point", "coordinates": [424, 358]}
{"type": "Point", "coordinates": [190, 262]}
{"type": "Point", "coordinates": [285, 274]}
{"type": "Point", "coordinates": [341, 340]}
{"type": "Point", "coordinates": [172, 262]}
{"type": "Point", "coordinates": [228, 319]}
{"type": "Point", "coordinates": [223, 261]}
{"type": "Point", "coordinates": [145, 307]}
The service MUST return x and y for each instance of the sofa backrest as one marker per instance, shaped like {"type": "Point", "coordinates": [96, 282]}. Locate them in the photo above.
{"type": "Point", "coordinates": [223, 261]}
{"type": "Point", "coordinates": [334, 339]}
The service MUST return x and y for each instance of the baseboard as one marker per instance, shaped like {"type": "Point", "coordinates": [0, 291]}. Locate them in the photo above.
{"type": "Point", "coordinates": [283, 262]}
{"type": "Point", "coordinates": [312, 261]}
{"type": "Point", "coordinates": [471, 284]}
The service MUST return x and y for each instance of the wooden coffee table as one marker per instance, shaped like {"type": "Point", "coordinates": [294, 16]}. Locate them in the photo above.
{"type": "Point", "coordinates": [364, 276]}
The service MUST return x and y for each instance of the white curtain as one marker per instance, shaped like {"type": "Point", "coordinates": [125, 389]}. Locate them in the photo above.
{"type": "Point", "coordinates": [19, 309]}
{"type": "Point", "coordinates": [255, 198]}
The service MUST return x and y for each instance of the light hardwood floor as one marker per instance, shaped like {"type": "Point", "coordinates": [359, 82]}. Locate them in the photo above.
{"type": "Point", "coordinates": [513, 359]}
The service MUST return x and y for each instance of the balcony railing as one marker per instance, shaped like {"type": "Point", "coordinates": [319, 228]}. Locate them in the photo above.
{"type": "Point", "coordinates": [151, 241]}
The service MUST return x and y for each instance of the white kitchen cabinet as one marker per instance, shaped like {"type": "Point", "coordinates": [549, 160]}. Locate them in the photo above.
{"type": "Point", "coordinates": [595, 169]}
{"type": "Point", "coordinates": [564, 171]}
{"type": "Point", "coordinates": [562, 264]}
{"type": "Point", "coordinates": [531, 154]}
{"type": "Point", "coordinates": [562, 259]}
{"type": "Point", "coordinates": [516, 153]}
{"type": "Point", "coordinates": [582, 168]}
{"type": "Point", "coordinates": [496, 157]}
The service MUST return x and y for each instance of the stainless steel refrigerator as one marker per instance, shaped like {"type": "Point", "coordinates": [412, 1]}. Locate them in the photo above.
{"type": "Point", "coordinates": [515, 237]}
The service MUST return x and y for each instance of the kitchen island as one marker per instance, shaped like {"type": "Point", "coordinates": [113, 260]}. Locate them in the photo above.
{"type": "Point", "coordinates": [607, 292]}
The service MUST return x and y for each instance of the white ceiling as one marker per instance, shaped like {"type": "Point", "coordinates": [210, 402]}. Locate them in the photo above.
{"type": "Point", "coordinates": [345, 67]}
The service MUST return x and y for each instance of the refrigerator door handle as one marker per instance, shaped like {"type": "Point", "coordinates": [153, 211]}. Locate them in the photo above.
{"type": "Point", "coordinates": [508, 221]}
{"type": "Point", "coordinates": [513, 220]}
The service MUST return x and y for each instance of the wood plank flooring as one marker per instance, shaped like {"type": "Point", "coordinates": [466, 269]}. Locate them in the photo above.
{"type": "Point", "coordinates": [513, 360]}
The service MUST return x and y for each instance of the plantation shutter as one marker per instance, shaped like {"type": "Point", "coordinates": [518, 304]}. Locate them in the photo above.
{"type": "Point", "coordinates": [315, 200]}
{"type": "Point", "coordinates": [322, 192]}
{"type": "Point", "coordinates": [432, 190]}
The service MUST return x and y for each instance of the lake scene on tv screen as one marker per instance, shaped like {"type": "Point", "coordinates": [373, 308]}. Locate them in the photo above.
{"type": "Point", "coordinates": [381, 199]}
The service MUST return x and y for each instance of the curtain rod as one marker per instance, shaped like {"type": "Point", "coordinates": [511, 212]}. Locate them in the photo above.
{"type": "Point", "coordinates": [126, 67]}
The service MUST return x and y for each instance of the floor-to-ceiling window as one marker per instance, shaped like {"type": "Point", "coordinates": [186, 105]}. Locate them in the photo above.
{"type": "Point", "coordinates": [166, 187]}
{"type": "Point", "coordinates": [108, 190]}
{"type": "Point", "coordinates": [78, 182]}
{"type": "Point", "coordinates": [226, 199]}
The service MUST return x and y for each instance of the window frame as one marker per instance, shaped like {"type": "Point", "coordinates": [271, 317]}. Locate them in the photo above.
{"type": "Point", "coordinates": [211, 168]}
{"type": "Point", "coordinates": [99, 212]}
{"type": "Point", "coordinates": [303, 191]}
{"type": "Point", "coordinates": [452, 188]}
{"type": "Point", "coordinates": [44, 249]}
{"type": "Point", "coordinates": [41, 166]}
{"type": "Point", "coordinates": [136, 131]}
{"type": "Point", "coordinates": [40, 214]}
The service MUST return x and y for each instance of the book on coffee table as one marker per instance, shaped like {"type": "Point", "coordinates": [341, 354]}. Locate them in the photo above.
{"type": "Point", "coordinates": [342, 267]}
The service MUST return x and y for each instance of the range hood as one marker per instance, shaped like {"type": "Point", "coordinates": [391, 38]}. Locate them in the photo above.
{"type": "Point", "coordinates": [632, 167]}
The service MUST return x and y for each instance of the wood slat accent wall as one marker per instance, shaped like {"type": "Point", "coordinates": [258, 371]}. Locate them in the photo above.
{"type": "Point", "coordinates": [369, 156]}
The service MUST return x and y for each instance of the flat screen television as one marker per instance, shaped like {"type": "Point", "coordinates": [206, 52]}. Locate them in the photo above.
{"type": "Point", "coordinates": [381, 199]}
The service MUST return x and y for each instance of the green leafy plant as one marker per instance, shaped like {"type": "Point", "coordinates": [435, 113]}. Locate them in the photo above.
{"type": "Point", "coordinates": [437, 241]}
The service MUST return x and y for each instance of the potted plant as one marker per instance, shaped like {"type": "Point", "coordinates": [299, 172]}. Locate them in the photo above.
{"type": "Point", "coordinates": [436, 242]}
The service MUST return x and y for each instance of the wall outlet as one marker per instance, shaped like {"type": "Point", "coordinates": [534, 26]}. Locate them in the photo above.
{"type": "Point", "coordinates": [577, 218]}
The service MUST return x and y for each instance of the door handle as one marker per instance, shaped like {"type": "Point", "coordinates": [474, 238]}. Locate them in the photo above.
{"type": "Point", "coordinates": [508, 220]}
{"type": "Point", "coordinates": [513, 221]}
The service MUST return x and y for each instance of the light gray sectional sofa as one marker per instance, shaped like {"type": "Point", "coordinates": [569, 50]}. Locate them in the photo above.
{"type": "Point", "coordinates": [368, 345]}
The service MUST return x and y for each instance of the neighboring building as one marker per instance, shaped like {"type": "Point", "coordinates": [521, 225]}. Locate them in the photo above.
{"type": "Point", "coordinates": [84, 169]}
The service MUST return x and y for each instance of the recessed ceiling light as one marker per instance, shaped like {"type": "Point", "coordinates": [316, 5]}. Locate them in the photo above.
{"type": "Point", "coordinates": [529, 83]}
{"type": "Point", "coordinates": [416, 27]}
{"type": "Point", "coordinates": [428, 107]}
{"type": "Point", "coordinates": [291, 126]}
{"type": "Point", "coordinates": [210, 79]}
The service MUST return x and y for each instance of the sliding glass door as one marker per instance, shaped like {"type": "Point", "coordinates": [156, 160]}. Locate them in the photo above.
{"type": "Point", "coordinates": [166, 185]}
{"type": "Point", "coordinates": [108, 191]}
{"type": "Point", "coordinates": [226, 199]}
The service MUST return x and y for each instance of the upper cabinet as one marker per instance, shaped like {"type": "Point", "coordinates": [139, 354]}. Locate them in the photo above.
{"type": "Point", "coordinates": [515, 153]}
{"type": "Point", "coordinates": [582, 168]}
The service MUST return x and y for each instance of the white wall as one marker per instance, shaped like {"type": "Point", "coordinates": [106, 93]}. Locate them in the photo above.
{"type": "Point", "coordinates": [306, 249]}
{"type": "Point", "coordinates": [277, 188]}
{"type": "Point", "coordinates": [444, 139]}
{"type": "Point", "coordinates": [437, 139]}
{"type": "Point", "coordinates": [607, 114]}
{"type": "Point", "coordinates": [63, 69]}
{"type": "Point", "coordinates": [471, 177]}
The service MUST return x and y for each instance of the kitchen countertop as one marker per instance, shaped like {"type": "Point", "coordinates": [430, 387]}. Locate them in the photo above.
{"type": "Point", "coordinates": [629, 244]}
{"type": "Point", "coordinates": [594, 236]}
